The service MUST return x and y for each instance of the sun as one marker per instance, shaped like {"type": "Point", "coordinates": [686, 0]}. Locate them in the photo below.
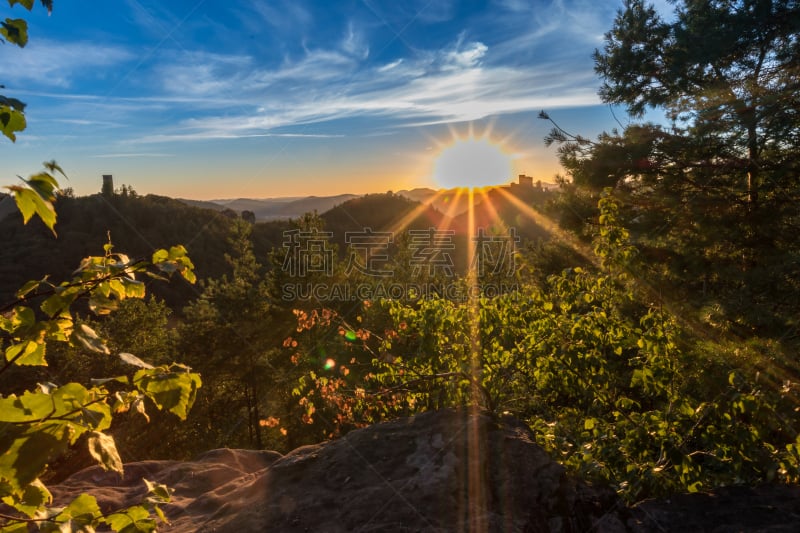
{"type": "Point", "coordinates": [472, 162]}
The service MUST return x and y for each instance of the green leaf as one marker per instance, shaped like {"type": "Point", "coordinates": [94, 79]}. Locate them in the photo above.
{"type": "Point", "coordinates": [103, 448]}
{"type": "Point", "coordinates": [53, 167]}
{"type": "Point", "coordinates": [97, 415]}
{"type": "Point", "coordinates": [29, 407]}
{"type": "Point", "coordinates": [133, 520]}
{"type": "Point", "coordinates": [60, 301]}
{"type": "Point", "coordinates": [27, 4]}
{"type": "Point", "coordinates": [117, 288]}
{"type": "Point", "coordinates": [21, 318]}
{"type": "Point", "coordinates": [160, 514]}
{"type": "Point", "coordinates": [12, 120]}
{"type": "Point", "coordinates": [59, 328]}
{"type": "Point", "coordinates": [189, 275]}
{"type": "Point", "coordinates": [70, 404]}
{"type": "Point", "coordinates": [28, 287]}
{"type": "Point", "coordinates": [81, 513]}
{"type": "Point", "coordinates": [44, 185]}
{"type": "Point", "coordinates": [160, 256]}
{"type": "Point", "coordinates": [158, 491]}
{"type": "Point", "coordinates": [13, 103]}
{"type": "Point", "coordinates": [133, 288]}
{"type": "Point", "coordinates": [173, 391]}
{"type": "Point", "coordinates": [27, 353]}
{"type": "Point", "coordinates": [34, 496]}
{"type": "Point", "coordinates": [30, 203]}
{"type": "Point", "coordinates": [15, 527]}
{"type": "Point", "coordinates": [175, 260]}
{"type": "Point", "coordinates": [15, 31]}
{"type": "Point", "coordinates": [27, 451]}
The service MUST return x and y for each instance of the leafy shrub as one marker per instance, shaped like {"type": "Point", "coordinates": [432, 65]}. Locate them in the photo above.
{"type": "Point", "coordinates": [616, 390]}
{"type": "Point", "coordinates": [38, 425]}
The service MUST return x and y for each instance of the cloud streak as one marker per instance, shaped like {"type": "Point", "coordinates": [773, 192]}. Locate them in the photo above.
{"type": "Point", "coordinates": [55, 64]}
{"type": "Point", "coordinates": [125, 155]}
{"type": "Point", "coordinates": [376, 70]}
{"type": "Point", "coordinates": [453, 84]}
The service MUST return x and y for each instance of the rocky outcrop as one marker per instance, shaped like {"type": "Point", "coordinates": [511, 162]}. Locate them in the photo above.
{"type": "Point", "coordinates": [768, 508]}
{"type": "Point", "coordinates": [436, 472]}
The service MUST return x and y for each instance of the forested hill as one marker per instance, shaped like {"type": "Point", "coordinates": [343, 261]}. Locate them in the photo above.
{"type": "Point", "coordinates": [495, 210]}
{"type": "Point", "coordinates": [136, 226]}
{"type": "Point", "coordinates": [380, 212]}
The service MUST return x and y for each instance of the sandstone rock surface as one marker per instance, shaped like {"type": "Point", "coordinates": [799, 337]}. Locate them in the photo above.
{"type": "Point", "coordinates": [440, 471]}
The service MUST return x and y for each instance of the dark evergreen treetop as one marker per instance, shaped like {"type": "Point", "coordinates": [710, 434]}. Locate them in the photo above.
{"type": "Point", "coordinates": [727, 70]}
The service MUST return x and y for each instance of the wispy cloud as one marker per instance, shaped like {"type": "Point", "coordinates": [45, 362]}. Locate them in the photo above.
{"type": "Point", "coordinates": [401, 14]}
{"type": "Point", "coordinates": [390, 66]}
{"type": "Point", "coordinates": [201, 74]}
{"type": "Point", "coordinates": [561, 30]}
{"type": "Point", "coordinates": [84, 122]}
{"type": "Point", "coordinates": [354, 42]}
{"type": "Point", "coordinates": [124, 155]}
{"type": "Point", "coordinates": [193, 93]}
{"type": "Point", "coordinates": [517, 6]}
{"type": "Point", "coordinates": [57, 64]}
{"type": "Point", "coordinates": [465, 56]}
{"type": "Point", "coordinates": [154, 19]}
{"type": "Point", "coordinates": [221, 133]}
{"type": "Point", "coordinates": [283, 14]}
{"type": "Point", "coordinates": [457, 83]}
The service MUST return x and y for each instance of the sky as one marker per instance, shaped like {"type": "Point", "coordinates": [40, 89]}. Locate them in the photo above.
{"type": "Point", "coordinates": [212, 99]}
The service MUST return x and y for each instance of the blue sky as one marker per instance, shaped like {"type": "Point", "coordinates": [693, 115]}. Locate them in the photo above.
{"type": "Point", "coordinates": [261, 98]}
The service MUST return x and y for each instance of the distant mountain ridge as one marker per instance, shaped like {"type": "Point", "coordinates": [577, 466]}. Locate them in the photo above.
{"type": "Point", "coordinates": [267, 209]}
{"type": "Point", "coordinates": [140, 224]}
{"type": "Point", "coordinates": [450, 202]}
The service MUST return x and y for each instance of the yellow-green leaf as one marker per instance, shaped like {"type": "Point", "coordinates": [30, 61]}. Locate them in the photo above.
{"type": "Point", "coordinates": [132, 520]}
{"type": "Point", "coordinates": [28, 451]}
{"type": "Point", "coordinates": [28, 407]}
{"type": "Point", "coordinates": [158, 491]}
{"type": "Point", "coordinates": [27, 353]}
{"type": "Point", "coordinates": [81, 513]}
{"type": "Point", "coordinates": [173, 391]}
{"type": "Point", "coordinates": [33, 497]}
{"type": "Point", "coordinates": [27, 4]}
{"type": "Point", "coordinates": [15, 527]}
{"type": "Point", "coordinates": [30, 203]}
{"type": "Point", "coordinates": [44, 185]}
{"type": "Point", "coordinates": [28, 287]}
